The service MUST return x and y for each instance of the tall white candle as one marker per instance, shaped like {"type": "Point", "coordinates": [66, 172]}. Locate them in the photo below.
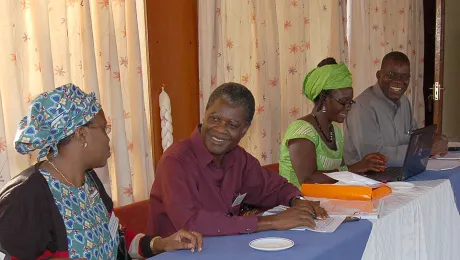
{"type": "Point", "coordinates": [166, 120]}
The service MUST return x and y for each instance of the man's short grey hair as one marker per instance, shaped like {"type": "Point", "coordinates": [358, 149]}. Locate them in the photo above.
{"type": "Point", "coordinates": [235, 94]}
{"type": "Point", "coordinates": [396, 56]}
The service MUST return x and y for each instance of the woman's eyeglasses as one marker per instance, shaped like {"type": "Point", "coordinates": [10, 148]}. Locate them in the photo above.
{"type": "Point", "coordinates": [396, 76]}
{"type": "Point", "coordinates": [107, 128]}
{"type": "Point", "coordinates": [344, 104]}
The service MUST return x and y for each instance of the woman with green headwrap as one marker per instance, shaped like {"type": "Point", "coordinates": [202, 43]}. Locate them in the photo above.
{"type": "Point", "coordinates": [58, 208]}
{"type": "Point", "coordinates": [313, 145]}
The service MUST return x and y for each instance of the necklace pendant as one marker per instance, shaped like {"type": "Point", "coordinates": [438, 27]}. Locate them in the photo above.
{"type": "Point", "coordinates": [89, 193]}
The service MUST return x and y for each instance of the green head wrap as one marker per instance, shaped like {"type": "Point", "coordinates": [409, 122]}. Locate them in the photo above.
{"type": "Point", "coordinates": [333, 76]}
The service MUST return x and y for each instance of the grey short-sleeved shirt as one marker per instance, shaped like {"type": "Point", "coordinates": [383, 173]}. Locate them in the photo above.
{"type": "Point", "coordinates": [377, 124]}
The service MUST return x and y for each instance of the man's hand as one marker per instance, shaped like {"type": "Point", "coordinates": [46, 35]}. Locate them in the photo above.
{"type": "Point", "coordinates": [300, 214]}
{"type": "Point", "coordinates": [440, 145]}
{"type": "Point", "coordinates": [291, 218]}
{"type": "Point", "coordinates": [182, 239]}
{"type": "Point", "coordinates": [311, 207]}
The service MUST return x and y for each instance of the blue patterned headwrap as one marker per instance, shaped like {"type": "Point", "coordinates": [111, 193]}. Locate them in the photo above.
{"type": "Point", "coordinates": [53, 116]}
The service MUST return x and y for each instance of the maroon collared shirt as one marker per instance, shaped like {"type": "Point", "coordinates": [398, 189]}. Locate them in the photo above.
{"type": "Point", "coordinates": [191, 192]}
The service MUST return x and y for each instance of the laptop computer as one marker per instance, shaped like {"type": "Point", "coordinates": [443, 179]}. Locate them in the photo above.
{"type": "Point", "coordinates": [417, 155]}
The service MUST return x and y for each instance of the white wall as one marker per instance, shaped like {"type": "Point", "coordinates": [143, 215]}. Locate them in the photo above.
{"type": "Point", "coordinates": [451, 107]}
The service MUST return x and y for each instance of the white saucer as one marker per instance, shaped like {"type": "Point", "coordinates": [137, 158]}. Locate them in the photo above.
{"type": "Point", "coordinates": [400, 185]}
{"type": "Point", "coordinates": [271, 243]}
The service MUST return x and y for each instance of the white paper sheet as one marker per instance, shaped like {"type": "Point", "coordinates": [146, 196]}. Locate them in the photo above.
{"type": "Point", "coordinates": [449, 156]}
{"type": "Point", "coordinates": [349, 178]}
{"type": "Point", "coordinates": [454, 144]}
{"type": "Point", "coordinates": [328, 225]}
{"type": "Point", "coordinates": [439, 165]}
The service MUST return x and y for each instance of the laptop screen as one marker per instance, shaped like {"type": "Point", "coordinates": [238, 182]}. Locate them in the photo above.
{"type": "Point", "coordinates": [418, 151]}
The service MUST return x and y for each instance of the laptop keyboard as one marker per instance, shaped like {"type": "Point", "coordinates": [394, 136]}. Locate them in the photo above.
{"type": "Point", "coordinates": [390, 174]}
{"type": "Point", "coordinates": [388, 171]}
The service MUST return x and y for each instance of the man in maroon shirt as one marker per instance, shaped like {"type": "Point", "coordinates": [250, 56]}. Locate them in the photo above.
{"type": "Point", "coordinates": [201, 181]}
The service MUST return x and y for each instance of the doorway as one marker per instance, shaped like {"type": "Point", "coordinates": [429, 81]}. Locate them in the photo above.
{"type": "Point", "coordinates": [447, 73]}
{"type": "Point", "coordinates": [451, 79]}
{"type": "Point", "coordinates": [429, 13]}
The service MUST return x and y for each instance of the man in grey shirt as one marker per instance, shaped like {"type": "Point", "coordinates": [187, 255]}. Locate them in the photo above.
{"type": "Point", "coordinates": [381, 120]}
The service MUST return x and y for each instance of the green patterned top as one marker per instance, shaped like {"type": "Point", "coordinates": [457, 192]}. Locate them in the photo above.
{"type": "Point", "coordinates": [326, 159]}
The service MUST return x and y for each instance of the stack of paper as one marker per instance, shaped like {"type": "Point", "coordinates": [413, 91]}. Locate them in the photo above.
{"type": "Point", "coordinates": [364, 209]}
{"type": "Point", "coordinates": [449, 161]}
{"type": "Point", "coordinates": [454, 144]}
{"type": "Point", "coordinates": [441, 165]}
{"type": "Point", "coordinates": [349, 178]}
{"type": "Point", "coordinates": [448, 156]}
{"type": "Point", "coordinates": [351, 208]}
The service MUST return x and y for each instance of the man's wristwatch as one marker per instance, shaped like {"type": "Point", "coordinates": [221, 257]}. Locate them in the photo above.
{"type": "Point", "coordinates": [294, 198]}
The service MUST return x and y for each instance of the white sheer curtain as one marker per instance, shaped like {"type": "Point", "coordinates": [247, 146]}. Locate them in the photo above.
{"type": "Point", "coordinates": [101, 47]}
{"type": "Point", "coordinates": [376, 27]}
{"type": "Point", "coordinates": [268, 46]}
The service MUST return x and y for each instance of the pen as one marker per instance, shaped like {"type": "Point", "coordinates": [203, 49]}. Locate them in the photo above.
{"type": "Point", "coordinates": [351, 219]}
{"type": "Point", "coordinates": [316, 217]}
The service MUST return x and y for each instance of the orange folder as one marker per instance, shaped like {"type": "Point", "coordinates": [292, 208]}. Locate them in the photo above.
{"type": "Point", "coordinates": [331, 191]}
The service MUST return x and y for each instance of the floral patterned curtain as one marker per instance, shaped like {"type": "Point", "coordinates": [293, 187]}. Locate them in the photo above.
{"type": "Point", "coordinates": [270, 45]}
{"type": "Point", "coordinates": [97, 45]}
{"type": "Point", "coordinates": [376, 27]}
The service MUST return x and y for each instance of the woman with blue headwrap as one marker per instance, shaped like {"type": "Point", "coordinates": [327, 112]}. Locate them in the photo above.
{"type": "Point", "coordinates": [313, 145]}
{"type": "Point", "coordinates": [59, 208]}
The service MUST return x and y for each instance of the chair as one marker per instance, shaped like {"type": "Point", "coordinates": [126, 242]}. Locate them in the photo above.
{"type": "Point", "coordinates": [249, 210]}
{"type": "Point", "coordinates": [134, 216]}
{"type": "Point", "coordinates": [273, 167]}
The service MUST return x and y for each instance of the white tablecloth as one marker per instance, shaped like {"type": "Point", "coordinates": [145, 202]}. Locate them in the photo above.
{"type": "Point", "coordinates": [419, 223]}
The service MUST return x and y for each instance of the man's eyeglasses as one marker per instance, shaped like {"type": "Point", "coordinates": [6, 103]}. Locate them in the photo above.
{"type": "Point", "coordinates": [107, 128]}
{"type": "Point", "coordinates": [344, 104]}
{"type": "Point", "coordinates": [396, 76]}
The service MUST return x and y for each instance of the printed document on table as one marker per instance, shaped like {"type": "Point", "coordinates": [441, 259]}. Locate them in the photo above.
{"type": "Point", "coordinates": [440, 165]}
{"type": "Point", "coordinates": [328, 225]}
{"type": "Point", "coordinates": [448, 156]}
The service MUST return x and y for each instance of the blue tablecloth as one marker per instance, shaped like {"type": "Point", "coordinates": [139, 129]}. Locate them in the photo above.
{"type": "Point", "coordinates": [347, 242]}
{"type": "Point", "coordinates": [452, 175]}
